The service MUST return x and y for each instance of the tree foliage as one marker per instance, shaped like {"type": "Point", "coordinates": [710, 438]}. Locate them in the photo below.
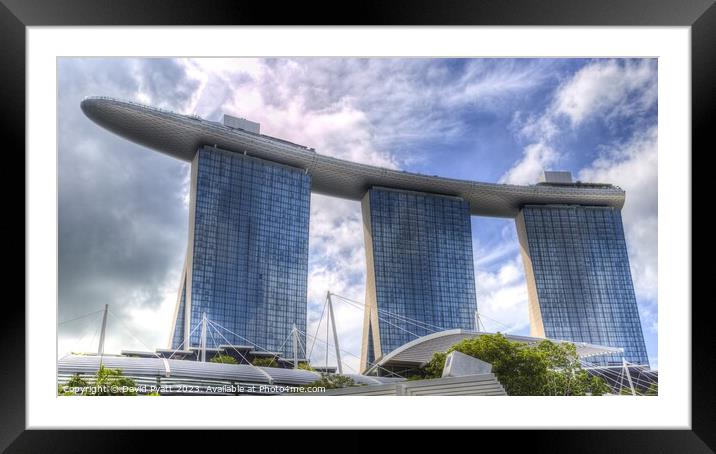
{"type": "Point", "coordinates": [434, 368]}
{"type": "Point", "coordinates": [332, 381]}
{"type": "Point", "coordinates": [265, 362]}
{"type": "Point", "coordinates": [223, 359]}
{"type": "Point", "coordinates": [75, 382]}
{"type": "Point", "coordinates": [306, 366]}
{"type": "Point", "coordinates": [106, 382]}
{"type": "Point", "coordinates": [545, 369]}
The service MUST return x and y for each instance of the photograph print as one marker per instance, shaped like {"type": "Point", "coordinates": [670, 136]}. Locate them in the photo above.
{"type": "Point", "coordinates": [357, 226]}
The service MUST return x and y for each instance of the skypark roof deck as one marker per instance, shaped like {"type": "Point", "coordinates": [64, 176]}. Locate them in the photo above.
{"type": "Point", "coordinates": [181, 135]}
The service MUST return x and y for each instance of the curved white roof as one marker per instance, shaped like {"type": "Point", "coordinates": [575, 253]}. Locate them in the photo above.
{"type": "Point", "coordinates": [421, 350]}
{"type": "Point", "coordinates": [180, 136]}
{"type": "Point", "coordinates": [197, 370]}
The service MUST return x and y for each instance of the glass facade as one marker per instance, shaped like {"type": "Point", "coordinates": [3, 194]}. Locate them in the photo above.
{"type": "Point", "coordinates": [248, 267]}
{"type": "Point", "coordinates": [422, 265]}
{"type": "Point", "coordinates": [582, 278]}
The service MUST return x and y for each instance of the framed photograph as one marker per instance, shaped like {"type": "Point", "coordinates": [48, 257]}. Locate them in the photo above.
{"type": "Point", "coordinates": [425, 218]}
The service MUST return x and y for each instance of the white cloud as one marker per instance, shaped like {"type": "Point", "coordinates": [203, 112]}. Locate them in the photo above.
{"type": "Point", "coordinates": [368, 110]}
{"type": "Point", "coordinates": [608, 88]}
{"type": "Point", "coordinates": [272, 97]}
{"type": "Point", "coordinates": [536, 158]}
{"type": "Point", "coordinates": [485, 256]}
{"type": "Point", "coordinates": [489, 82]}
{"type": "Point", "coordinates": [537, 128]}
{"type": "Point", "coordinates": [336, 264]}
{"type": "Point", "coordinates": [502, 297]}
{"type": "Point", "coordinates": [134, 326]}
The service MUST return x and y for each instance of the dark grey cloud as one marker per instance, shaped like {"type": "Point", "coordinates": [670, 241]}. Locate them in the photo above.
{"type": "Point", "coordinates": [122, 219]}
{"type": "Point", "coordinates": [166, 82]}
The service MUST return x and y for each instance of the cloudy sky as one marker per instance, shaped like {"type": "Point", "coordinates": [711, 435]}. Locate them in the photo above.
{"type": "Point", "coordinates": [123, 209]}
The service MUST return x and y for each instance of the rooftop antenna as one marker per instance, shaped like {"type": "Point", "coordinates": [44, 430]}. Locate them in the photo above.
{"type": "Point", "coordinates": [335, 333]}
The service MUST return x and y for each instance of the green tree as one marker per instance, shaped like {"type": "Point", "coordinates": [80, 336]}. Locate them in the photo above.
{"type": "Point", "coordinates": [565, 376]}
{"type": "Point", "coordinates": [223, 359]}
{"type": "Point", "coordinates": [75, 382]}
{"type": "Point", "coordinates": [106, 382]}
{"type": "Point", "coordinates": [306, 366]}
{"type": "Point", "coordinates": [111, 382]}
{"type": "Point", "coordinates": [434, 367]}
{"type": "Point", "coordinates": [546, 369]}
{"type": "Point", "coordinates": [265, 362]}
{"type": "Point", "coordinates": [332, 381]}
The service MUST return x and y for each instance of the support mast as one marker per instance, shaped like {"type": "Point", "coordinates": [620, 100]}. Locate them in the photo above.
{"type": "Point", "coordinates": [100, 348]}
{"type": "Point", "coordinates": [295, 346]}
{"type": "Point", "coordinates": [335, 333]}
{"type": "Point", "coordinates": [202, 346]}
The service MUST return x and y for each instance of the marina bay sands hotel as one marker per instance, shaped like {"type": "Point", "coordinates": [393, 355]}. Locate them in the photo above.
{"type": "Point", "coordinates": [246, 261]}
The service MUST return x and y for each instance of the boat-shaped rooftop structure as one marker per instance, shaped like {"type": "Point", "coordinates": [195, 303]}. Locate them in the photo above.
{"type": "Point", "coordinates": [181, 136]}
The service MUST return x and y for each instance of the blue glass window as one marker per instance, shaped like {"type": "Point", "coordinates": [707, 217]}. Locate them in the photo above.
{"type": "Point", "coordinates": [583, 280]}
{"type": "Point", "coordinates": [250, 252]}
{"type": "Point", "coordinates": [422, 256]}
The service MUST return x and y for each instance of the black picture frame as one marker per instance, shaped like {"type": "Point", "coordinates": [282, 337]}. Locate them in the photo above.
{"type": "Point", "coordinates": [700, 15]}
